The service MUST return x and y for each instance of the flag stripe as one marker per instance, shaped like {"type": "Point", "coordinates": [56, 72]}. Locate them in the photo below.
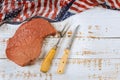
{"type": "Point", "coordinates": [95, 1]}
{"type": "Point", "coordinates": [115, 4]}
{"type": "Point", "coordinates": [56, 6]}
{"type": "Point", "coordinates": [40, 11]}
{"type": "Point", "coordinates": [35, 8]}
{"type": "Point", "coordinates": [2, 16]}
{"type": "Point", "coordinates": [9, 5]}
{"type": "Point", "coordinates": [118, 3]}
{"type": "Point", "coordinates": [100, 1]}
{"type": "Point", "coordinates": [19, 17]}
{"type": "Point", "coordinates": [87, 6]}
{"type": "Point", "coordinates": [12, 4]}
{"type": "Point", "coordinates": [75, 9]}
{"type": "Point", "coordinates": [88, 3]}
{"type": "Point", "coordinates": [38, 7]}
{"type": "Point", "coordinates": [80, 5]}
{"type": "Point", "coordinates": [26, 9]}
{"type": "Point", "coordinates": [45, 6]}
{"type": "Point", "coordinates": [6, 10]}
{"type": "Point", "coordinates": [32, 8]}
{"type": "Point", "coordinates": [108, 3]}
{"type": "Point", "coordinates": [112, 3]}
{"type": "Point", "coordinates": [50, 9]}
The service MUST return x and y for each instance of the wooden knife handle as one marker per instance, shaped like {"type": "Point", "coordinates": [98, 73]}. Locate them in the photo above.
{"type": "Point", "coordinates": [48, 60]}
{"type": "Point", "coordinates": [63, 61]}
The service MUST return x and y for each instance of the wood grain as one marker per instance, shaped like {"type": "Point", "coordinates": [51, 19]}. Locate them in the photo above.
{"type": "Point", "coordinates": [85, 69]}
{"type": "Point", "coordinates": [95, 54]}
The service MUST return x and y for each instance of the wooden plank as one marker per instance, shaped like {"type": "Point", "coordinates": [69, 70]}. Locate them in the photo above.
{"type": "Point", "coordinates": [99, 23]}
{"type": "Point", "coordinates": [82, 48]}
{"type": "Point", "coordinates": [92, 29]}
{"type": "Point", "coordinates": [84, 69]}
{"type": "Point", "coordinates": [101, 29]}
{"type": "Point", "coordinates": [95, 54]}
{"type": "Point", "coordinates": [86, 48]}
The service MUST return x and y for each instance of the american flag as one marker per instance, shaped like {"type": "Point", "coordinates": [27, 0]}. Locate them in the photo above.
{"type": "Point", "coordinates": [53, 10]}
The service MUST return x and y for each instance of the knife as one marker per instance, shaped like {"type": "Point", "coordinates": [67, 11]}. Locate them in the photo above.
{"type": "Point", "coordinates": [46, 64]}
{"type": "Point", "coordinates": [63, 60]}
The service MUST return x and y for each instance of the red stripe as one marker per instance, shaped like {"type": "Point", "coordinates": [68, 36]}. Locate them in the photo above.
{"type": "Point", "coordinates": [45, 6]}
{"type": "Point", "coordinates": [118, 3]}
{"type": "Point", "coordinates": [62, 3]}
{"type": "Point", "coordinates": [25, 10]}
{"type": "Point", "coordinates": [90, 4]}
{"type": "Point", "coordinates": [5, 2]}
{"type": "Point", "coordinates": [95, 1]}
{"type": "Point", "coordinates": [22, 12]}
{"type": "Point", "coordinates": [1, 17]}
{"type": "Point", "coordinates": [18, 17]}
{"type": "Point", "coordinates": [6, 6]}
{"type": "Point", "coordinates": [38, 7]}
{"type": "Point", "coordinates": [13, 4]}
{"type": "Point", "coordinates": [103, 6]}
{"type": "Point", "coordinates": [55, 9]}
{"type": "Point", "coordinates": [75, 9]}
{"type": "Point", "coordinates": [112, 3]}
{"type": "Point", "coordinates": [102, 1]}
{"type": "Point", "coordinates": [80, 5]}
{"type": "Point", "coordinates": [67, 2]}
{"type": "Point", "coordinates": [19, 4]}
{"type": "Point", "coordinates": [32, 9]}
{"type": "Point", "coordinates": [50, 9]}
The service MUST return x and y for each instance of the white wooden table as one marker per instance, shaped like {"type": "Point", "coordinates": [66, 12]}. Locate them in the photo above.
{"type": "Point", "coordinates": [95, 54]}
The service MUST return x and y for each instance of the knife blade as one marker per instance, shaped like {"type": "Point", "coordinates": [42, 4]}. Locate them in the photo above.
{"type": "Point", "coordinates": [63, 60]}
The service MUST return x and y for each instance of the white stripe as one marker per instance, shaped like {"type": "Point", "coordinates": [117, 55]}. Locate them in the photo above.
{"type": "Point", "coordinates": [41, 9]}
{"type": "Point", "coordinates": [99, 1]}
{"type": "Point", "coordinates": [77, 7]}
{"type": "Point", "coordinates": [36, 4]}
{"type": "Point", "coordinates": [24, 17]}
{"type": "Point", "coordinates": [80, 2]}
{"type": "Point", "coordinates": [89, 1]}
{"type": "Point", "coordinates": [22, 13]}
{"type": "Point", "coordinates": [108, 3]}
{"type": "Point", "coordinates": [58, 6]}
{"type": "Point", "coordinates": [18, 20]}
{"type": "Point", "coordinates": [3, 16]}
{"type": "Point", "coordinates": [67, 1]}
{"type": "Point", "coordinates": [116, 5]}
{"type": "Point", "coordinates": [16, 4]}
{"type": "Point", "coordinates": [28, 10]}
{"type": "Point", "coordinates": [53, 8]}
{"type": "Point", "coordinates": [72, 11]}
{"type": "Point", "coordinates": [47, 8]}
{"type": "Point", "coordinates": [52, 11]}
{"type": "Point", "coordinates": [9, 5]}
{"type": "Point", "coordinates": [3, 7]}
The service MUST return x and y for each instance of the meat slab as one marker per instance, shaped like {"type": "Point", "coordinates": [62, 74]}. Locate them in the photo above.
{"type": "Point", "coordinates": [25, 46]}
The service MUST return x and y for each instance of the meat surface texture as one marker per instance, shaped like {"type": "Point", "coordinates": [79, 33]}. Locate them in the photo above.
{"type": "Point", "coordinates": [25, 46]}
